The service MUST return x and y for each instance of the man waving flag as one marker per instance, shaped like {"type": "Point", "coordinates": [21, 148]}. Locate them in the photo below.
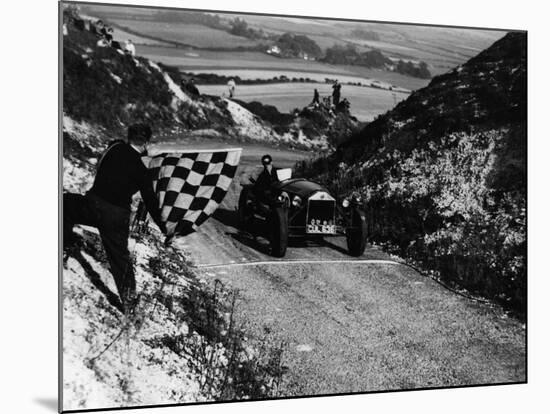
{"type": "Point", "coordinates": [189, 186]}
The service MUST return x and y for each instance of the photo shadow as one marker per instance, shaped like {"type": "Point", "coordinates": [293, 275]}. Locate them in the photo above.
{"type": "Point", "coordinates": [48, 403]}
{"type": "Point", "coordinates": [255, 242]}
{"type": "Point", "coordinates": [94, 277]}
{"type": "Point", "coordinates": [256, 239]}
{"type": "Point", "coordinates": [328, 243]}
{"type": "Point", "coordinates": [227, 217]}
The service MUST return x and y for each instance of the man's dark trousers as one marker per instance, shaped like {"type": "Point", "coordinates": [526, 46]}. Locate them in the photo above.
{"type": "Point", "coordinates": [113, 223]}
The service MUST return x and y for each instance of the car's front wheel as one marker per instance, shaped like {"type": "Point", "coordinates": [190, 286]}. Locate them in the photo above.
{"type": "Point", "coordinates": [278, 231]}
{"type": "Point", "coordinates": [356, 234]}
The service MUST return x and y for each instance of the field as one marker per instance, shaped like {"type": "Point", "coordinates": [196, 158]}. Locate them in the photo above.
{"type": "Point", "coordinates": [392, 78]}
{"type": "Point", "coordinates": [122, 35]}
{"type": "Point", "coordinates": [252, 65]}
{"type": "Point", "coordinates": [295, 76]}
{"type": "Point", "coordinates": [366, 103]}
{"type": "Point", "coordinates": [441, 47]}
{"type": "Point", "coordinates": [232, 59]}
{"type": "Point", "coordinates": [189, 34]}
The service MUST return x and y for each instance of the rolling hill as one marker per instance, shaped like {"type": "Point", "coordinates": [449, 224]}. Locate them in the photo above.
{"type": "Point", "coordinates": [443, 175]}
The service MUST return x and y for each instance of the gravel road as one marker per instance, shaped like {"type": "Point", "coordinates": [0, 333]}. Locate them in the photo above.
{"type": "Point", "coordinates": [354, 326]}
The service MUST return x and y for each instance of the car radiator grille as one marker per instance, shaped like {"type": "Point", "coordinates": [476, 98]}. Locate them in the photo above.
{"type": "Point", "coordinates": [320, 217]}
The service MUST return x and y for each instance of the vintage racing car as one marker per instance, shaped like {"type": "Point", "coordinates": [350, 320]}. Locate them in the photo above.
{"type": "Point", "coordinates": [302, 208]}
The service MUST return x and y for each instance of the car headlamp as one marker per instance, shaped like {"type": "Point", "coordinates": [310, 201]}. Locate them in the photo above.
{"type": "Point", "coordinates": [296, 201]}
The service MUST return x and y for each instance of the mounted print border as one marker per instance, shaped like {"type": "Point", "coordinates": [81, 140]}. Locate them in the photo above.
{"type": "Point", "coordinates": [264, 206]}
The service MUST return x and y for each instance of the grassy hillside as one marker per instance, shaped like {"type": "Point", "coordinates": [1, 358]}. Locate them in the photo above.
{"type": "Point", "coordinates": [104, 86]}
{"type": "Point", "coordinates": [443, 175]}
{"type": "Point", "coordinates": [192, 34]}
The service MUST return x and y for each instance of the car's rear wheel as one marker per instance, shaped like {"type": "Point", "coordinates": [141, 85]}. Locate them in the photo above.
{"type": "Point", "coordinates": [278, 231]}
{"type": "Point", "coordinates": [356, 235]}
{"type": "Point", "coordinates": [245, 213]}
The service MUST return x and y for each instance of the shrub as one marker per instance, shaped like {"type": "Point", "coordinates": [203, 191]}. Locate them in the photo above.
{"type": "Point", "coordinates": [267, 113]}
{"type": "Point", "coordinates": [228, 365]}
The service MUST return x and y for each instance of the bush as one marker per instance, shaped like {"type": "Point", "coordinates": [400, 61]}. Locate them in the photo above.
{"type": "Point", "coordinates": [228, 365]}
{"type": "Point", "coordinates": [268, 113]}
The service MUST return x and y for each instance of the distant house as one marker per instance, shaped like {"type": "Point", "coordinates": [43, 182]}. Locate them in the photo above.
{"type": "Point", "coordinates": [287, 53]}
{"type": "Point", "coordinates": [305, 56]}
{"type": "Point", "coordinates": [274, 50]}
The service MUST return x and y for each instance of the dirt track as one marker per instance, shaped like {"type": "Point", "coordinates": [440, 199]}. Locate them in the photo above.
{"type": "Point", "coordinates": [355, 327]}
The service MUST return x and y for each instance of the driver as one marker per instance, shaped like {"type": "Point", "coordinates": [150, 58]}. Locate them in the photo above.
{"type": "Point", "coordinates": [262, 187]}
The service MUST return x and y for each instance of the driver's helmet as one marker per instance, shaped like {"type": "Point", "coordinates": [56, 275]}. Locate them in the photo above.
{"type": "Point", "coordinates": [266, 160]}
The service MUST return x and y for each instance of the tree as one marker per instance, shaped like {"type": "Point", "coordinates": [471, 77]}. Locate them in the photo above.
{"type": "Point", "coordinates": [373, 58]}
{"type": "Point", "coordinates": [298, 45]}
{"type": "Point", "coordinates": [239, 27]}
{"type": "Point", "coordinates": [423, 71]}
{"type": "Point", "coordinates": [408, 68]}
{"type": "Point", "coordinates": [343, 55]}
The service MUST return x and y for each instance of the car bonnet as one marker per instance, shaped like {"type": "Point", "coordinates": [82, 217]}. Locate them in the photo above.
{"type": "Point", "coordinates": [299, 186]}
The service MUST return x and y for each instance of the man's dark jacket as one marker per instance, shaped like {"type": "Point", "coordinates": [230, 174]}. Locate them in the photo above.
{"type": "Point", "coordinates": [264, 182]}
{"type": "Point", "coordinates": [120, 174]}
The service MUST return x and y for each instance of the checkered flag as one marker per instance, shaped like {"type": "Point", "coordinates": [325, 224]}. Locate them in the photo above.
{"type": "Point", "coordinates": [191, 185]}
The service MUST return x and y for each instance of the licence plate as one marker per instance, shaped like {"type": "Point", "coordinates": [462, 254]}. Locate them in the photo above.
{"type": "Point", "coordinates": [320, 218]}
{"type": "Point", "coordinates": [321, 229]}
